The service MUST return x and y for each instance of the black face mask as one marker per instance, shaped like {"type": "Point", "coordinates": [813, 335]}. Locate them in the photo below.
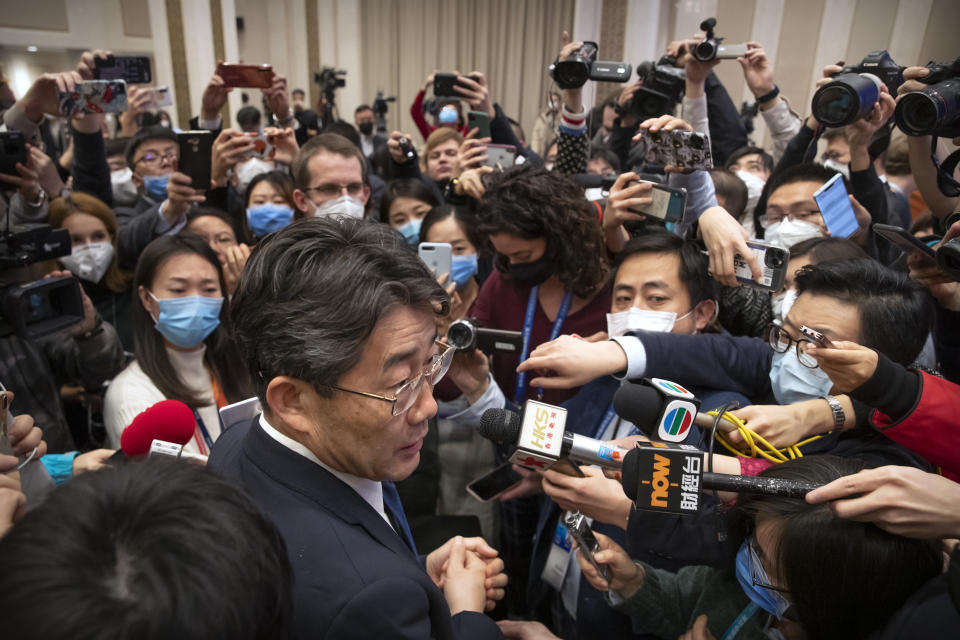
{"type": "Point", "coordinates": [366, 128]}
{"type": "Point", "coordinates": [528, 273]}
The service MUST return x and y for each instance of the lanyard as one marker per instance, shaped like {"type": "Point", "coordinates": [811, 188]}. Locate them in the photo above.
{"type": "Point", "coordinates": [207, 440]}
{"type": "Point", "coordinates": [528, 329]}
{"type": "Point", "coordinates": [608, 419]}
{"type": "Point", "coordinates": [741, 620]}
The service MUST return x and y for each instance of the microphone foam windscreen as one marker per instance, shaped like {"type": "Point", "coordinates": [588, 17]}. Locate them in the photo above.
{"type": "Point", "coordinates": [628, 473]}
{"type": "Point", "coordinates": [168, 420]}
{"type": "Point", "coordinates": [500, 426]}
{"type": "Point", "coordinates": [639, 404]}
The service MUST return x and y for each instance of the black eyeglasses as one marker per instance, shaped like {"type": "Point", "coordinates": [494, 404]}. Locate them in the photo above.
{"type": "Point", "coordinates": [781, 342]}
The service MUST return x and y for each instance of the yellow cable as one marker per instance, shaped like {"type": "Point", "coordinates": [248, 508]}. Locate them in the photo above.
{"type": "Point", "coordinates": [750, 448]}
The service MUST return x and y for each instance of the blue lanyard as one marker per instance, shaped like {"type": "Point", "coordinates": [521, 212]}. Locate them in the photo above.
{"type": "Point", "coordinates": [741, 620]}
{"type": "Point", "coordinates": [528, 329]}
{"type": "Point", "coordinates": [203, 430]}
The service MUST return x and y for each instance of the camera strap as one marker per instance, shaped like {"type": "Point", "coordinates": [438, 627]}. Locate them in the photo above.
{"type": "Point", "coordinates": [945, 180]}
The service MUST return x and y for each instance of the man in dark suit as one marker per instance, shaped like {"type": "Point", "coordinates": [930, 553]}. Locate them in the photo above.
{"type": "Point", "coordinates": [366, 121]}
{"type": "Point", "coordinates": [336, 320]}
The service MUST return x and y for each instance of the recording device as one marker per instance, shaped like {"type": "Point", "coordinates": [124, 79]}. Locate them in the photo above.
{"type": "Point", "coordinates": [479, 120]}
{"type": "Point", "coordinates": [492, 484]}
{"type": "Point", "coordinates": [409, 153]}
{"type": "Point", "coordinates": [573, 71]}
{"type": "Point", "coordinates": [668, 203]}
{"type": "Point", "coordinates": [748, 113]}
{"type": "Point", "coordinates": [246, 76]}
{"type": "Point", "coordinates": [161, 97]}
{"type": "Point", "coordinates": [132, 69]}
{"type": "Point", "coordinates": [380, 111]}
{"type": "Point", "coordinates": [468, 335]}
{"type": "Point", "coordinates": [174, 450]}
{"type": "Point", "coordinates": [542, 441]}
{"type": "Point", "coordinates": [906, 242]}
{"type": "Point", "coordinates": [196, 151]}
{"type": "Point", "coordinates": [500, 155]}
{"type": "Point", "coordinates": [330, 80]}
{"type": "Point", "coordinates": [835, 208]}
{"type": "Point", "coordinates": [682, 149]}
{"type": "Point", "coordinates": [668, 478]}
{"type": "Point", "coordinates": [168, 420]}
{"type": "Point", "coordinates": [710, 48]}
{"type": "Point", "coordinates": [854, 90]}
{"type": "Point", "coordinates": [579, 529]}
{"type": "Point", "coordinates": [445, 86]}
{"type": "Point", "coordinates": [39, 308]}
{"type": "Point", "coordinates": [773, 260]}
{"type": "Point", "coordinates": [663, 87]}
{"type": "Point", "coordinates": [438, 256]}
{"type": "Point", "coordinates": [663, 410]}
{"type": "Point", "coordinates": [935, 109]}
{"type": "Point", "coordinates": [94, 96]}
{"type": "Point", "coordinates": [13, 149]}
{"type": "Point", "coordinates": [816, 337]}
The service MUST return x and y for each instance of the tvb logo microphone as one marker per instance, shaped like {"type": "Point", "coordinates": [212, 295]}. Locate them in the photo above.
{"type": "Point", "coordinates": [679, 409]}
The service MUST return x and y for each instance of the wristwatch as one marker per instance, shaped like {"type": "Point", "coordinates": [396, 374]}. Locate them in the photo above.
{"type": "Point", "coordinates": [839, 417]}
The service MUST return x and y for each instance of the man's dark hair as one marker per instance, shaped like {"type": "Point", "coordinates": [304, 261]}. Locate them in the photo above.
{"type": "Point", "coordinates": [363, 107]}
{"type": "Point", "coordinates": [149, 345]}
{"type": "Point", "coordinates": [116, 146]}
{"type": "Point", "coordinates": [530, 202]}
{"type": "Point", "coordinates": [345, 129]}
{"type": "Point", "coordinates": [296, 91]}
{"type": "Point", "coordinates": [603, 152]}
{"type": "Point", "coordinates": [896, 313]}
{"type": "Point", "coordinates": [825, 562]}
{"type": "Point", "coordinates": [750, 150]}
{"type": "Point", "coordinates": [155, 549]}
{"type": "Point", "coordinates": [155, 132]}
{"type": "Point", "coordinates": [733, 190]}
{"type": "Point", "coordinates": [404, 188]}
{"type": "Point", "coordinates": [834, 133]}
{"type": "Point", "coordinates": [818, 250]}
{"type": "Point", "coordinates": [312, 293]}
{"type": "Point", "coordinates": [693, 264]}
{"type": "Point", "coordinates": [464, 218]}
{"type": "Point", "coordinates": [806, 172]}
{"type": "Point", "coordinates": [248, 116]}
{"type": "Point", "coordinates": [329, 143]}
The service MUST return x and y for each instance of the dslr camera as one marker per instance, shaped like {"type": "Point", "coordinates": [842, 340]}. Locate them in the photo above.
{"type": "Point", "coordinates": [935, 109]}
{"type": "Point", "coordinates": [852, 93]}
{"type": "Point", "coordinates": [710, 48]}
{"type": "Point", "coordinates": [573, 71]}
{"type": "Point", "coordinates": [663, 87]}
{"type": "Point", "coordinates": [39, 308]}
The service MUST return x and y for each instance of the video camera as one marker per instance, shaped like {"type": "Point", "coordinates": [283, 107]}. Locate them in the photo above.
{"type": "Point", "coordinates": [663, 87]}
{"type": "Point", "coordinates": [854, 90]}
{"type": "Point", "coordinates": [573, 71]}
{"type": "Point", "coordinates": [38, 308]}
{"type": "Point", "coordinates": [380, 103]}
{"type": "Point", "coordinates": [710, 48]}
{"type": "Point", "coordinates": [467, 335]}
{"type": "Point", "coordinates": [935, 109]}
{"type": "Point", "coordinates": [330, 80]}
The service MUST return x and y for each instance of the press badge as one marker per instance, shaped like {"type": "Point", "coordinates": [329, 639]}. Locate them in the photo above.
{"type": "Point", "coordinates": [555, 568]}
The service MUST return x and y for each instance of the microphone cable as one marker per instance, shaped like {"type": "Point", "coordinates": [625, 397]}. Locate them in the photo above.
{"type": "Point", "coordinates": [755, 445]}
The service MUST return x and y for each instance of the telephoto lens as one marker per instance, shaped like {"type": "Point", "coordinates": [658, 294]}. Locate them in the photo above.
{"type": "Point", "coordinates": [933, 110]}
{"type": "Point", "coordinates": [846, 99]}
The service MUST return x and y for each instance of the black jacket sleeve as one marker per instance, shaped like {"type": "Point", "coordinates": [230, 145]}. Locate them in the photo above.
{"type": "Point", "coordinates": [727, 133]}
{"type": "Point", "coordinates": [91, 174]}
{"type": "Point", "coordinates": [795, 150]}
{"type": "Point", "coordinates": [502, 133]}
{"type": "Point", "coordinates": [621, 141]}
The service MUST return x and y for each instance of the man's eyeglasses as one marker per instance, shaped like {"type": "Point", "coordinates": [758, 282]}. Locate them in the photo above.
{"type": "Point", "coordinates": [354, 189]}
{"type": "Point", "coordinates": [407, 394]}
{"type": "Point", "coordinates": [776, 214]}
{"type": "Point", "coordinates": [155, 159]}
{"type": "Point", "coordinates": [781, 341]}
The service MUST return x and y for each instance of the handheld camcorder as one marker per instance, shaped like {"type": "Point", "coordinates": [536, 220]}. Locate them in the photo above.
{"type": "Point", "coordinates": [38, 308]}
{"type": "Point", "coordinates": [467, 335]}
{"type": "Point", "coordinates": [330, 80]}
{"type": "Point", "coordinates": [935, 109]}
{"type": "Point", "coordinates": [852, 93]}
{"type": "Point", "coordinates": [663, 87]}
{"type": "Point", "coordinates": [711, 47]}
{"type": "Point", "coordinates": [573, 71]}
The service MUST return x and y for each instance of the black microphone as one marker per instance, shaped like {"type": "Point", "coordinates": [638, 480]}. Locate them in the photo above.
{"type": "Point", "coordinates": [668, 478]}
{"type": "Point", "coordinates": [536, 433]}
{"type": "Point", "coordinates": [663, 410]}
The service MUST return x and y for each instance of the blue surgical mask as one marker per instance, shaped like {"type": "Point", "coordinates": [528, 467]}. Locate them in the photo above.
{"type": "Point", "coordinates": [186, 322]}
{"type": "Point", "coordinates": [268, 217]}
{"type": "Point", "coordinates": [793, 382]}
{"type": "Point", "coordinates": [155, 187]}
{"type": "Point", "coordinates": [411, 231]}
{"type": "Point", "coordinates": [448, 115]}
{"type": "Point", "coordinates": [462, 268]}
{"type": "Point", "coordinates": [748, 566]}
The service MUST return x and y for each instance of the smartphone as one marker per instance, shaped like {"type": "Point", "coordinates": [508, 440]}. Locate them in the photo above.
{"type": "Point", "coordinates": [492, 484]}
{"type": "Point", "coordinates": [161, 97]}
{"type": "Point", "coordinates": [132, 69]}
{"type": "Point", "coordinates": [835, 207]}
{"type": "Point", "coordinates": [773, 260]}
{"type": "Point", "coordinates": [443, 85]}
{"type": "Point", "coordinates": [579, 530]}
{"type": "Point", "coordinates": [668, 202]}
{"type": "Point", "coordinates": [250, 76]}
{"type": "Point", "coordinates": [479, 120]}
{"type": "Point", "coordinates": [13, 149]}
{"type": "Point", "coordinates": [195, 157]}
{"type": "Point", "coordinates": [94, 96]}
{"type": "Point", "coordinates": [683, 149]}
{"type": "Point", "coordinates": [906, 242]}
{"type": "Point", "coordinates": [262, 148]}
{"type": "Point", "coordinates": [501, 155]}
{"type": "Point", "coordinates": [238, 412]}
{"type": "Point", "coordinates": [816, 337]}
{"type": "Point", "coordinates": [438, 256]}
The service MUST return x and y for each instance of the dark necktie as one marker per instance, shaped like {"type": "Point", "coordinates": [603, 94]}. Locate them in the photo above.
{"type": "Point", "coordinates": [391, 501]}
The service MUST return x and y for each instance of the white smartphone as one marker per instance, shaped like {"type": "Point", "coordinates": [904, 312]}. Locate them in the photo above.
{"type": "Point", "coordinates": [243, 411]}
{"type": "Point", "coordinates": [502, 155]}
{"type": "Point", "coordinates": [438, 256]}
{"type": "Point", "coordinates": [161, 97]}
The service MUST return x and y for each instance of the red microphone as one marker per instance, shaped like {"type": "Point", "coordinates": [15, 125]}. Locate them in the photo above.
{"type": "Point", "coordinates": [168, 420]}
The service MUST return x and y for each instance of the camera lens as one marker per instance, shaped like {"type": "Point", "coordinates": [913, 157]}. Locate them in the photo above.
{"type": "Point", "coordinates": [774, 259]}
{"type": "Point", "coordinates": [705, 51]}
{"type": "Point", "coordinates": [846, 99]}
{"type": "Point", "coordinates": [461, 334]}
{"type": "Point", "coordinates": [929, 110]}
